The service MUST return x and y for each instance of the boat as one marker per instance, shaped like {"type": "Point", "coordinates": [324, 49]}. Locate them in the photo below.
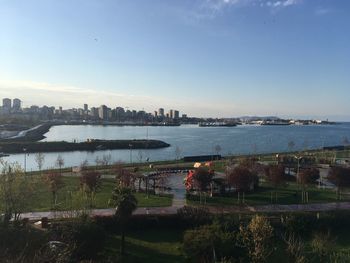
{"type": "Point", "coordinates": [217, 124]}
{"type": "Point", "coordinates": [4, 155]}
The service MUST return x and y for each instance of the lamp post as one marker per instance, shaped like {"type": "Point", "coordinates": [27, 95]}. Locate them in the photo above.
{"type": "Point", "coordinates": [298, 169]}
{"type": "Point", "coordinates": [130, 146]}
{"type": "Point", "coordinates": [25, 159]}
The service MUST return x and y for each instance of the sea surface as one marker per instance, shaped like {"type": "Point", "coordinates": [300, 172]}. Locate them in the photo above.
{"type": "Point", "coordinates": [188, 140]}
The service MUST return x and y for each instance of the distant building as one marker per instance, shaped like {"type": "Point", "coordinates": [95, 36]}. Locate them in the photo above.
{"type": "Point", "coordinates": [161, 112]}
{"type": "Point", "coordinates": [119, 113]}
{"type": "Point", "coordinates": [176, 114]}
{"type": "Point", "coordinates": [171, 114]}
{"type": "Point", "coordinates": [86, 107]}
{"type": "Point", "coordinates": [94, 112]}
{"type": "Point", "coordinates": [103, 112]}
{"type": "Point", "coordinates": [17, 105]}
{"type": "Point", "coordinates": [6, 104]}
{"type": "Point", "coordinates": [156, 114]}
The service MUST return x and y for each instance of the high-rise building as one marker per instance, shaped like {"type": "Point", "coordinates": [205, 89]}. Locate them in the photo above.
{"type": "Point", "coordinates": [17, 105]}
{"type": "Point", "coordinates": [171, 114]}
{"type": "Point", "coordinates": [6, 104]}
{"type": "Point", "coordinates": [86, 108]}
{"type": "Point", "coordinates": [176, 114]}
{"type": "Point", "coordinates": [161, 112]}
{"type": "Point", "coordinates": [103, 112]}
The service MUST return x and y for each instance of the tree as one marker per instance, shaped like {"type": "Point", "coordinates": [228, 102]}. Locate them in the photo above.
{"type": "Point", "coordinates": [201, 244]}
{"type": "Point", "coordinates": [291, 145]}
{"type": "Point", "coordinates": [16, 190]}
{"type": "Point", "coordinates": [40, 159]}
{"type": "Point", "coordinates": [340, 176]}
{"type": "Point", "coordinates": [126, 204]}
{"type": "Point", "coordinates": [55, 183]}
{"type": "Point", "coordinates": [241, 178]}
{"type": "Point", "coordinates": [217, 149]}
{"type": "Point", "coordinates": [257, 238]}
{"type": "Point", "coordinates": [106, 159]}
{"type": "Point", "coordinates": [177, 152]}
{"type": "Point", "coordinates": [306, 178]}
{"type": "Point", "coordinates": [90, 181]}
{"type": "Point", "coordinates": [124, 177]}
{"type": "Point", "coordinates": [202, 178]}
{"type": "Point", "coordinates": [276, 176]}
{"type": "Point", "coordinates": [60, 162]}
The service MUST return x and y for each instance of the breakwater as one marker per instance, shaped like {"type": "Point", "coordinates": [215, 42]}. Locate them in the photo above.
{"type": "Point", "coordinates": [93, 145]}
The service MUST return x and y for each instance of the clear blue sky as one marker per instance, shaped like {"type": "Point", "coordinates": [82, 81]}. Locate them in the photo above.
{"type": "Point", "coordinates": [203, 57]}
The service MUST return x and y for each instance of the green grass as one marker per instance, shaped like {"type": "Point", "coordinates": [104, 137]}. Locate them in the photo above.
{"type": "Point", "coordinates": [290, 194]}
{"type": "Point", "coordinates": [149, 245]}
{"type": "Point", "coordinates": [42, 198]}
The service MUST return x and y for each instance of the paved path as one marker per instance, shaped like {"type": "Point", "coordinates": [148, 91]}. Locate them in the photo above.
{"type": "Point", "coordinates": [216, 210]}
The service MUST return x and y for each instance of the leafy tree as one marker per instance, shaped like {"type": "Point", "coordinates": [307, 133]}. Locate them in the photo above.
{"type": "Point", "coordinates": [55, 183]}
{"type": "Point", "coordinates": [241, 178]}
{"type": "Point", "coordinates": [276, 176]}
{"type": "Point", "coordinates": [340, 176]}
{"type": "Point", "coordinates": [202, 178]}
{"type": "Point", "coordinates": [91, 183]}
{"type": "Point", "coordinates": [306, 178]}
{"type": "Point", "coordinates": [201, 244]}
{"type": "Point", "coordinates": [126, 204]}
{"type": "Point", "coordinates": [257, 237]}
{"type": "Point", "coordinates": [16, 190]}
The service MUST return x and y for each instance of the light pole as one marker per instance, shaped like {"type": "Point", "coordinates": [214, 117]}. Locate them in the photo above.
{"type": "Point", "coordinates": [298, 168]}
{"type": "Point", "coordinates": [25, 159]}
{"type": "Point", "coordinates": [130, 146]}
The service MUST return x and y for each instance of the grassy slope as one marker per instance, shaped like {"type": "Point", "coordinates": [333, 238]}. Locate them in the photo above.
{"type": "Point", "coordinates": [150, 246]}
{"type": "Point", "coordinates": [285, 195]}
{"type": "Point", "coordinates": [41, 200]}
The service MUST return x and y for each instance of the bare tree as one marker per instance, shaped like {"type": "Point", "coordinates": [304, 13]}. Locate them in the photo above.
{"type": "Point", "coordinates": [40, 159]}
{"type": "Point", "coordinates": [291, 145]}
{"type": "Point", "coordinates": [276, 176]}
{"type": "Point", "coordinates": [60, 162]}
{"type": "Point", "coordinates": [54, 183]}
{"type": "Point", "coordinates": [177, 152]}
{"type": "Point", "coordinates": [140, 156]}
{"type": "Point", "coordinates": [106, 159]}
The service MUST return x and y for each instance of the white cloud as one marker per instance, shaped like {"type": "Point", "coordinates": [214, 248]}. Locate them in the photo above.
{"type": "Point", "coordinates": [322, 11]}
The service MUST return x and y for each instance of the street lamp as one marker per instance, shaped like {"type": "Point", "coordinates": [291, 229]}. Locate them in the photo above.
{"type": "Point", "coordinates": [25, 159]}
{"type": "Point", "coordinates": [130, 146]}
{"type": "Point", "coordinates": [298, 169]}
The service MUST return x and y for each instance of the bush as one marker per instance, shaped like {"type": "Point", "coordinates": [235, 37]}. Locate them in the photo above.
{"type": "Point", "coordinates": [85, 235]}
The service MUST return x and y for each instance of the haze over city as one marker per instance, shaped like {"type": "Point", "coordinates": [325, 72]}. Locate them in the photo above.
{"type": "Point", "coordinates": [208, 58]}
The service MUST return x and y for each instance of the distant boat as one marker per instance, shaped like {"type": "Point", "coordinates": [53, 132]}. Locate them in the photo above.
{"type": "Point", "coordinates": [4, 155]}
{"type": "Point", "coordinates": [275, 123]}
{"type": "Point", "coordinates": [217, 124]}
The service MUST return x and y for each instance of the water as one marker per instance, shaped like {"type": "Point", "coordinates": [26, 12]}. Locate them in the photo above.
{"type": "Point", "coordinates": [190, 139]}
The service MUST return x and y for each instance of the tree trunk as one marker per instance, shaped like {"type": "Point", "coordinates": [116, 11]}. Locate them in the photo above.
{"type": "Point", "coordinates": [122, 245]}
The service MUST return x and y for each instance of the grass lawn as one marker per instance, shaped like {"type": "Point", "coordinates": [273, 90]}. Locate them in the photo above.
{"type": "Point", "coordinates": [290, 194]}
{"type": "Point", "coordinates": [42, 199]}
{"type": "Point", "coordinates": [152, 245]}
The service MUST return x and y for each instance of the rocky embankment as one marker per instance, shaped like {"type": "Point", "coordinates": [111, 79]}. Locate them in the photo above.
{"type": "Point", "coordinates": [94, 145]}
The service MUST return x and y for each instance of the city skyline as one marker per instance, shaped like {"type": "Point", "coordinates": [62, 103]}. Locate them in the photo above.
{"type": "Point", "coordinates": [208, 58]}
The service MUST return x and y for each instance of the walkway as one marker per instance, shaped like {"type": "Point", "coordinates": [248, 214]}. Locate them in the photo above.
{"type": "Point", "coordinates": [172, 210]}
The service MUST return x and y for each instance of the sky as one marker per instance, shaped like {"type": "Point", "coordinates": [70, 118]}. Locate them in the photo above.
{"type": "Point", "coordinates": [207, 58]}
